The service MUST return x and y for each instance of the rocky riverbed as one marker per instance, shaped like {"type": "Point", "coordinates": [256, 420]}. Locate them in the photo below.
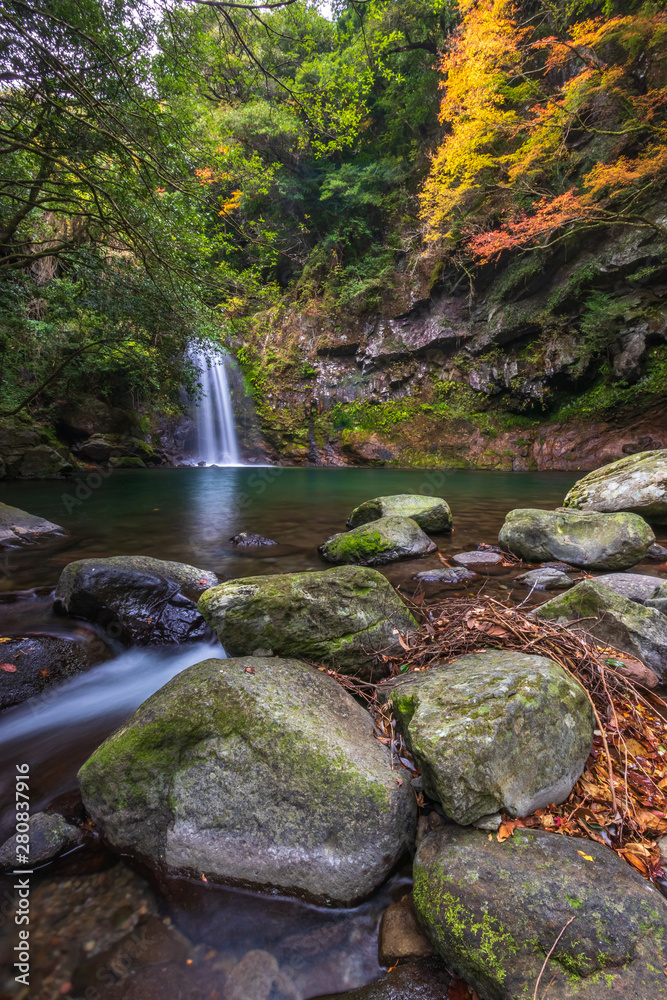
{"type": "Point", "coordinates": [249, 832]}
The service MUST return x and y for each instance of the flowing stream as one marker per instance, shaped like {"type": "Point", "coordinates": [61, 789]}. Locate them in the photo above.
{"type": "Point", "coordinates": [215, 432]}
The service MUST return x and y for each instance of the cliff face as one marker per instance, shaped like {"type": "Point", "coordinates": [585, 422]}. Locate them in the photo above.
{"type": "Point", "coordinates": [551, 360]}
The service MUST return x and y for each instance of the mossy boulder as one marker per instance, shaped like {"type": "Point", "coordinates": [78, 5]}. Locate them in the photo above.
{"type": "Point", "coordinates": [135, 598]}
{"type": "Point", "coordinates": [635, 586]}
{"type": "Point", "coordinates": [614, 620]}
{"type": "Point", "coordinates": [596, 541]}
{"type": "Point", "coordinates": [341, 617]}
{"type": "Point", "coordinates": [637, 483]}
{"type": "Point", "coordinates": [495, 911]}
{"type": "Point", "coordinates": [379, 542]}
{"type": "Point", "coordinates": [432, 514]}
{"type": "Point", "coordinates": [19, 527]}
{"type": "Point", "coordinates": [495, 731]}
{"type": "Point", "coordinates": [258, 772]}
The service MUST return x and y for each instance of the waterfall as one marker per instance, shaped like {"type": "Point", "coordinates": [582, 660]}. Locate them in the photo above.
{"type": "Point", "coordinates": [215, 434]}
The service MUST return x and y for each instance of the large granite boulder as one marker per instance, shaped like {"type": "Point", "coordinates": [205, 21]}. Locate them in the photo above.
{"type": "Point", "coordinates": [637, 483]}
{"type": "Point", "coordinates": [378, 543]}
{"type": "Point", "coordinates": [635, 586]}
{"type": "Point", "coordinates": [432, 514]}
{"type": "Point", "coordinates": [18, 526]}
{"type": "Point", "coordinates": [495, 911]}
{"type": "Point", "coordinates": [596, 541]}
{"type": "Point", "coordinates": [134, 606]}
{"type": "Point", "coordinates": [495, 731]}
{"type": "Point", "coordinates": [255, 772]}
{"type": "Point", "coordinates": [342, 617]}
{"type": "Point", "coordinates": [33, 663]}
{"type": "Point", "coordinates": [614, 620]}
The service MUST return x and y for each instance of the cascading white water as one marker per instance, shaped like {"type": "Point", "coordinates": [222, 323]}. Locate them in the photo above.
{"type": "Point", "coordinates": [215, 433]}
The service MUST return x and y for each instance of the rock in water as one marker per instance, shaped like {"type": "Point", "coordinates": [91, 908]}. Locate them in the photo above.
{"type": "Point", "coordinates": [249, 538]}
{"type": "Point", "coordinates": [18, 526]}
{"type": "Point", "coordinates": [494, 912]}
{"type": "Point", "coordinates": [342, 617]}
{"type": "Point", "coordinates": [637, 483]}
{"type": "Point", "coordinates": [425, 980]}
{"type": "Point", "coordinates": [454, 576]}
{"type": "Point", "coordinates": [543, 578]}
{"type": "Point", "coordinates": [49, 834]}
{"type": "Point", "coordinates": [618, 621]}
{"type": "Point", "coordinates": [495, 731]}
{"type": "Point", "coordinates": [260, 772]}
{"type": "Point", "coordinates": [432, 514]}
{"type": "Point", "coordinates": [40, 661]}
{"type": "Point", "coordinates": [378, 543]}
{"type": "Point", "coordinates": [133, 606]}
{"type": "Point", "coordinates": [596, 541]}
{"type": "Point", "coordinates": [191, 581]}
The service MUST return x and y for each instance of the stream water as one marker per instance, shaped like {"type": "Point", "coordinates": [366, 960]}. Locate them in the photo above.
{"type": "Point", "coordinates": [190, 515]}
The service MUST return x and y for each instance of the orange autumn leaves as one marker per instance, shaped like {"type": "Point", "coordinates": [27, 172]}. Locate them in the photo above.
{"type": "Point", "coordinates": [546, 133]}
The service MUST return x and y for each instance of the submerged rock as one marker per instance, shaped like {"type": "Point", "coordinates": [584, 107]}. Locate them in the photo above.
{"type": "Point", "coordinates": [596, 541]}
{"type": "Point", "coordinates": [495, 912]}
{"type": "Point", "coordinates": [342, 617]}
{"type": "Point", "coordinates": [260, 772]}
{"type": "Point", "coordinates": [133, 605]}
{"type": "Point", "coordinates": [613, 619]}
{"type": "Point", "coordinates": [401, 936]}
{"type": "Point", "coordinates": [495, 731]}
{"type": "Point", "coordinates": [637, 483]}
{"type": "Point", "coordinates": [18, 526]}
{"type": "Point", "coordinates": [543, 578]}
{"type": "Point", "coordinates": [50, 835]}
{"type": "Point", "coordinates": [249, 538]}
{"type": "Point", "coordinates": [456, 576]}
{"type": "Point", "coordinates": [425, 980]}
{"type": "Point", "coordinates": [432, 514]}
{"type": "Point", "coordinates": [33, 663]}
{"type": "Point", "coordinates": [378, 543]}
{"type": "Point", "coordinates": [480, 561]}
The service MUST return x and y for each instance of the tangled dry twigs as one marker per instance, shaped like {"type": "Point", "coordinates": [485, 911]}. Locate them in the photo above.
{"type": "Point", "coordinates": [621, 798]}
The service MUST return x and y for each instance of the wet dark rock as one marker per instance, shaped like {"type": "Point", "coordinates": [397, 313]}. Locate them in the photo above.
{"type": "Point", "coordinates": [616, 620]}
{"type": "Point", "coordinates": [494, 732]}
{"type": "Point", "coordinates": [191, 580]}
{"type": "Point", "coordinates": [401, 935]}
{"type": "Point", "coordinates": [256, 772]}
{"type": "Point", "coordinates": [19, 527]}
{"type": "Point", "coordinates": [50, 835]}
{"type": "Point", "coordinates": [342, 616]}
{"type": "Point", "coordinates": [656, 552]}
{"type": "Point", "coordinates": [41, 661]}
{"type": "Point", "coordinates": [544, 578]}
{"type": "Point", "coordinates": [454, 576]}
{"type": "Point", "coordinates": [133, 606]}
{"type": "Point", "coordinates": [595, 541]}
{"type": "Point", "coordinates": [103, 448]}
{"type": "Point", "coordinates": [249, 538]}
{"type": "Point", "coordinates": [494, 912]}
{"type": "Point", "coordinates": [425, 980]}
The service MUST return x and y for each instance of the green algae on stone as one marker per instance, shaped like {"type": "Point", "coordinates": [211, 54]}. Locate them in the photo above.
{"type": "Point", "coordinates": [637, 483]}
{"type": "Point", "coordinates": [254, 771]}
{"type": "Point", "coordinates": [379, 542]}
{"type": "Point", "coordinates": [342, 617]}
{"type": "Point", "coordinates": [495, 731]}
{"type": "Point", "coordinates": [494, 911]}
{"type": "Point", "coordinates": [614, 620]}
{"type": "Point", "coordinates": [595, 541]}
{"type": "Point", "coordinates": [432, 514]}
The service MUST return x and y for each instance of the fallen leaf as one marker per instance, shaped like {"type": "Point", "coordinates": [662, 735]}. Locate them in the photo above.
{"type": "Point", "coordinates": [505, 830]}
{"type": "Point", "coordinates": [8, 668]}
{"type": "Point", "coordinates": [250, 670]}
{"type": "Point", "coordinates": [586, 857]}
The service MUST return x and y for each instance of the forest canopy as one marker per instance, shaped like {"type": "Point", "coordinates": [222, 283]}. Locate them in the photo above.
{"type": "Point", "coordinates": [171, 169]}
